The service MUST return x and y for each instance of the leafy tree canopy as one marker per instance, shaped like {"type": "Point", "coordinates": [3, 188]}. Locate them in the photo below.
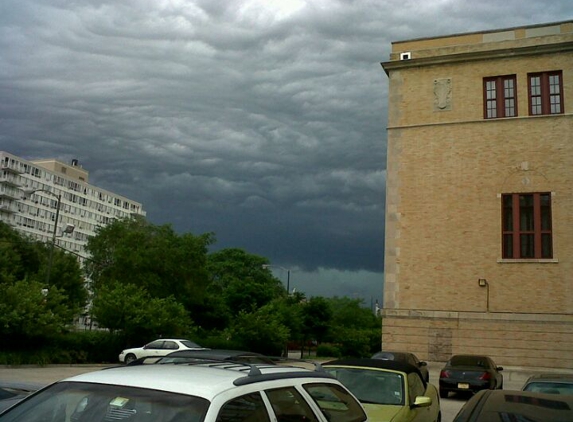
{"type": "Point", "coordinates": [27, 309]}
{"type": "Point", "coordinates": [130, 309]}
{"type": "Point", "coordinates": [241, 280]}
{"type": "Point", "coordinates": [25, 260]}
{"type": "Point", "coordinates": [154, 258]}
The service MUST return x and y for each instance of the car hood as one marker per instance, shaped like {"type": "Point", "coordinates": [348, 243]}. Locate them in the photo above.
{"type": "Point", "coordinates": [381, 412]}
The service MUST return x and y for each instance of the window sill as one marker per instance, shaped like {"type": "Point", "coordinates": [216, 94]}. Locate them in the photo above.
{"type": "Point", "coordinates": [528, 261]}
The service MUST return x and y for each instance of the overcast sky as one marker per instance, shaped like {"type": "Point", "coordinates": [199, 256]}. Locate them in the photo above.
{"type": "Point", "coordinates": [263, 121]}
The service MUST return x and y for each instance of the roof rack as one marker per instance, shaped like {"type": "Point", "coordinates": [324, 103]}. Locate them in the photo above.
{"type": "Point", "coordinates": [307, 369]}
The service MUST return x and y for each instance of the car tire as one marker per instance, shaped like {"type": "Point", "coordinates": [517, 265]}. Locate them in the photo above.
{"type": "Point", "coordinates": [129, 358]}
{"type": "Point", "coordinates": [439, 418]}
{"type": "Point", "coordinates": [444, 393]}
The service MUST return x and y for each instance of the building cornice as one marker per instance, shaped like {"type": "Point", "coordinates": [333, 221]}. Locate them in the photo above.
{"type": "Point", "coordinates": [504, 53]}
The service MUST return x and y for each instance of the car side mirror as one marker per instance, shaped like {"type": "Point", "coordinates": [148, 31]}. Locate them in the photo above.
{"type": "Point", "coordinates": [422, 363]}
{"type": "Point", "coordinates": [500, 368]}
{"type": "Point", "coordinates": [422, 401]}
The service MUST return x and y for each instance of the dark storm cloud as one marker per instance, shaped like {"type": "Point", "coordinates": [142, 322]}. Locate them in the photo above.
{"type": "Point", "coordinates": [261, 121]}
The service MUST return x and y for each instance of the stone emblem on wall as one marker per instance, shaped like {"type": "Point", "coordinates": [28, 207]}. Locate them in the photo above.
{"type": "Point", "coordinates": [442, 94]}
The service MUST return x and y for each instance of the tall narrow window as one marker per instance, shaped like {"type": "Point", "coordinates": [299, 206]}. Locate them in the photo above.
{"type": "Point", "coordinates": [500, 97]}
{"type": "Point", "coordinates": [526, 226]}
{"type": "Point", "coordinates": [545, 93]}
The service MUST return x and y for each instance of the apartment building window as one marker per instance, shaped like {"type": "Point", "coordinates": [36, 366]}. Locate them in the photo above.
{"type": "Point", "coordinates": [526, 226]}
{"type": "Point", "coordinates": [500, 97]}
{"type": "Point", "coordinates": [545, 93]}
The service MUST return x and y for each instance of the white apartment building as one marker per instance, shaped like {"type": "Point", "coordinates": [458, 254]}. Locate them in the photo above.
{"type": "Point", "coordinates": [82, 207]}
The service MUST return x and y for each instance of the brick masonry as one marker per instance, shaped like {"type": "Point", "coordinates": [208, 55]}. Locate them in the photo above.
{"type": "Point", "coordinates": [447, 169]}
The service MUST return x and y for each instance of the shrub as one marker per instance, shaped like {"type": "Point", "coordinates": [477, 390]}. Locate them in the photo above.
{"type": "Point", "coordinates": [328, 351]}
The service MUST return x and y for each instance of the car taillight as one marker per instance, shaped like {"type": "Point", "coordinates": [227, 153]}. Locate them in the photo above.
{"type": "Point", "coordinates": [444, 374]}
{"type": "Point", "coordinates": [485, 376]}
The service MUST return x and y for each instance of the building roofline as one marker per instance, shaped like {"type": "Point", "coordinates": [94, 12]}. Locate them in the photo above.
{"type": "Point", "coordinates": [478, 55]}
{"type": "Point", "coordinates": [489, 31]}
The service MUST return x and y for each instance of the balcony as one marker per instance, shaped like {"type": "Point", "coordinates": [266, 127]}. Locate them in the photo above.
{"type": "Point", "coordinates": [10, 168]}
{"type": "Point", "coordinates": [7, 192]}
{"type": "Point", "coordinates": [8, 179]}
{"type": "Point", "coordinates": [7, 209]}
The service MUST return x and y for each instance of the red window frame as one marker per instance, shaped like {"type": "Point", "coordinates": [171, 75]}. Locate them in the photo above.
{"type": "Point", "coordinates": [545, 92]}
{"type": "Point", "coordinates": [527, 226]}
{"type": "Point", "coordinates": [500, 97]}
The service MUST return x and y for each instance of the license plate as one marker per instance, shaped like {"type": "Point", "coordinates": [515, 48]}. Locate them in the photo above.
{"type": "Point", "coordinates": [463, 386]}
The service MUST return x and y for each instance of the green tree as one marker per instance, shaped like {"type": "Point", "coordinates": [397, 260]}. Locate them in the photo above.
{"type": "Point", "coordinates": [239, 277]}
{"type": "Point", "coordinates": [138, 316]}
{"type": "Point", "coordinates": [155, 258]}
{"type": "Point", "coordinates": [317, 317]}
{"type": "Point", "coordinates": [354, 327]}
{"type": "Point", "coordinates": [20, 258]}
{"type": "Point", "coordinates": [260, 331]}
{"type": "Point", "coordinates": [23, 261]}
{"type": "Point", "coordinates": [289, 312]}
{"type": "Point", "coordinates": [28, 310]}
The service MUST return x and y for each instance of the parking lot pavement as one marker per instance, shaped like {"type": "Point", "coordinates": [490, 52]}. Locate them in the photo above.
{"type": "Point", "coordinates": [514, 377]}
{"type": "Point", "coordinates": [45, 374]}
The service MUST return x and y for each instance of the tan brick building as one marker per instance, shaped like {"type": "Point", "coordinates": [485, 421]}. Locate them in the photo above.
{"type": "Point", "coordinates": [479, 202]}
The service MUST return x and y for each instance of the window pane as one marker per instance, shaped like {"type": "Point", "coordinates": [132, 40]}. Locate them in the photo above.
{"type": "Point", "coordinates": [535, 85]}
{"type": "Point", "coordinates": [555, 105]}
{"type": "Point", "coordinates": [336, 403]}
{"type": "Point", "coordinates": [554, 84]}
{"type": "Point", "coordinates": [536, 105]}
{"type": "Point", "coordinates": [507, 213]}
{"type": "Point", "coordinates": [490, 88]}
{"type": "Point", "coordinates": [526, 212]}
{"type": "Point", "coordinates": [546, 246]}
{"type": "Point", "coordinates": [527, 248]}
{"type": "Point", "coordinates": [289, 405]}
{"type": "Point", "coordinates": [509, 108]}
{"type": "Point", "coordinates": [508, 87]}
{"type": "Point", "coordinates": [246, 408]}
{"type": "Point", "coordinates": [491, 109]}
{"type": "Point", "coordinates": [545, 208]}
{"type": "Point", "coordinates": [508, 246]}
{"type": "Point", "coordinates": [491, 101]}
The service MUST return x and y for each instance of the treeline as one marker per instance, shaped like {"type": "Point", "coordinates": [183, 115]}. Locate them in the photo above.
{"type": "Point", "coordinates": [143, 281]}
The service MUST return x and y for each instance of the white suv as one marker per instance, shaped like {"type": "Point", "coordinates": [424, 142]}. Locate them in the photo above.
{"type": "Point", "coordinates": [193, 392]}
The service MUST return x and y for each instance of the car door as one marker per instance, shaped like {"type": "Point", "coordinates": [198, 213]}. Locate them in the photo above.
{"type": "Point", "coordinates": [247, 408]}
{"type": "Point", "coordinates": [154, 348]}
{"type": "Point", "coordinates": [497, 374]}
{"type": "Point", "coordinates": [416, 388]}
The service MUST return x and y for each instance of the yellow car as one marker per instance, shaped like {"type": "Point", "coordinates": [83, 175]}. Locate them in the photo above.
{"type": "Point", "coordinates": [388, 390]}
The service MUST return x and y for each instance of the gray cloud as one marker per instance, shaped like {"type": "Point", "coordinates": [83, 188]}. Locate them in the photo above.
{"type": "Point", "coordinates": [261, 121]}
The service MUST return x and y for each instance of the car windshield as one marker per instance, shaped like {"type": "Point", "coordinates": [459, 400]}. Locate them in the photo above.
{"type": "Point", "coordinates": [370, 385]}
{"type": "Point", "coordinates": [85, 402]}
{"type": "Point", "coordinates": [550, 387]}
{"type": "Point", "coordinates": [468, 361]}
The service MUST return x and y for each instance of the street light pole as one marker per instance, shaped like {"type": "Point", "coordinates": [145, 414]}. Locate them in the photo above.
{"type": "Point", "coordinates": [59, 196]}
{"type": "Point", "coordinates": [284, 269]}
{"type": "Point", "coordinates": [54, 232]}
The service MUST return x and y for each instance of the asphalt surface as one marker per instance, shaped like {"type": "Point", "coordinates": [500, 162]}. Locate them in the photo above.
{"type": "Point", "coordinates": [514, 377]}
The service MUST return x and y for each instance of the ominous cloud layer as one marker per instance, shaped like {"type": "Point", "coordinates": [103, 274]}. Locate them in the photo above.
{"type": "Point", "coordinates": [263, 121]}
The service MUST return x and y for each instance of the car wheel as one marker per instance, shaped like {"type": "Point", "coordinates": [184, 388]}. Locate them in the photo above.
{"type": "Point", "coordinates": [439, 418]}
{"type": "Point", "coordinates": [501, 386]}
{"type": "Point", "coordinates": [130, 358]}
{"type": "Point", "coordinates": [443, 393]}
